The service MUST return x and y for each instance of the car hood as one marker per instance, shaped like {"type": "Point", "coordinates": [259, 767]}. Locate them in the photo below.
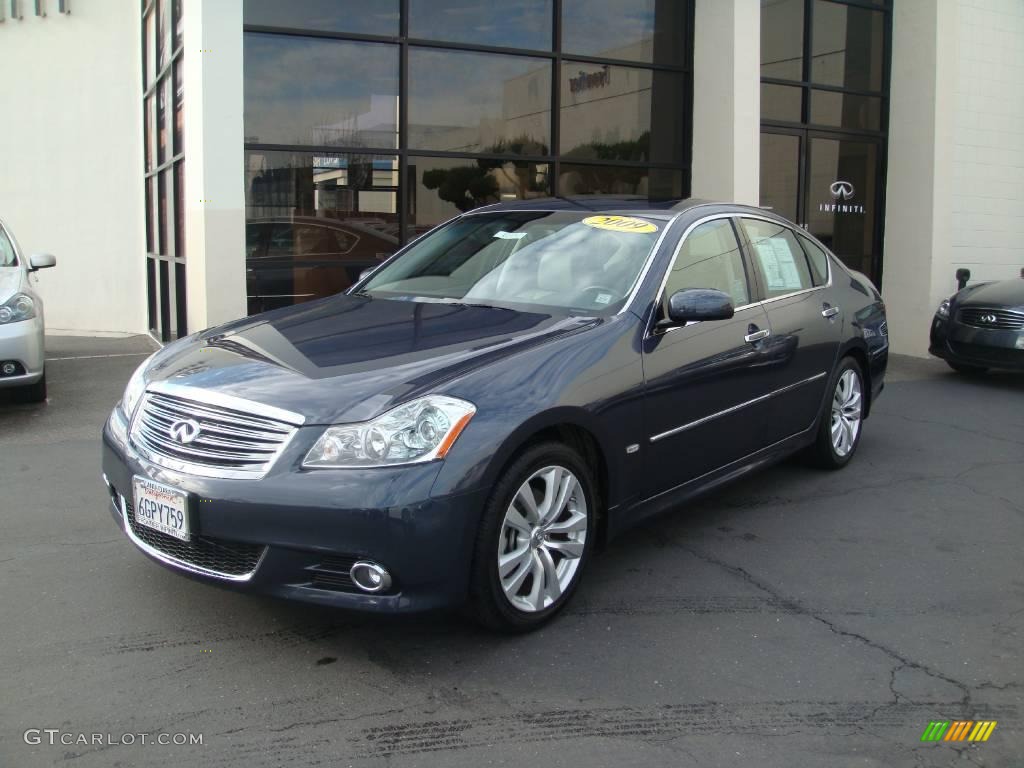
{"type": "Point", "coordinates": [1007, 294]}
{"type": "Point", "coordinates": [349, 358]}
{"type": "Point", "coordinates": [10, 282]}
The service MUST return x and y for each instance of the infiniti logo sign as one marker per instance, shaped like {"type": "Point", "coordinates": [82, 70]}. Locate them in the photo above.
{"type": "Point", "coordinates": [841, 190]}
{"type": "Point", "coordinates": [184, 431]}
{"type": "Point", "coordinates": [988, 318]}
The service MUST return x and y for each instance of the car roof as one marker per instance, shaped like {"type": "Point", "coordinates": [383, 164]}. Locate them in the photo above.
{"type": "Point", "coordinates": [639, 205]}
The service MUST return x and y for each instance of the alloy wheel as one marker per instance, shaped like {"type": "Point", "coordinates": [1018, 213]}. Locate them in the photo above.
{"type": "Point", "coordinates": [846, 412]}
{"type": "Point", "coordinates": [542, 539]}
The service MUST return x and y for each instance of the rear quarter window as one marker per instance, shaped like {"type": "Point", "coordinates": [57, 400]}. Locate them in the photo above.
{"type": "Point", "coordinates": [818, 260]}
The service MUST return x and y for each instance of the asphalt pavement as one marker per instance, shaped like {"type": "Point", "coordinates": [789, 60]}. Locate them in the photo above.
{"type": "Point", "coordinates": [799, 618]}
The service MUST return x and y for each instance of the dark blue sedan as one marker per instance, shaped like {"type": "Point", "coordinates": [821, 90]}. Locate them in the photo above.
{"type": "Point", "coordinates": [471, 421]}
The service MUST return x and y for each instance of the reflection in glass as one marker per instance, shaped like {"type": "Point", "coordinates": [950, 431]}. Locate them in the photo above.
{"type": "Point", "coordinates": [161, 122]}
{"type": "Point", "coordinates": [179, 209]}
{"type": "Point", "coordinates": [320, 92]}
{"type": "Point", "coordinates": [652, 183]}
{"type": "Point", "coordinates": [379, 17]}
{"type": "Point", "coordinates": [150, 132]}
{"type": "Point", "coordinates": [646, 31]}
{"type": "Point", "coordinates": [149, 214]}
{"type": "Point", "coordinates": [440, 187]}
{"type": "Point", "coordinates": [845, 221]}
{"type": "Point", "coordinates": [161, 213]}
{"type": "Point", "coordinates": [609, 113]}
{"type": "Point", "coordinates": [846, 110]}
{"type": "Point", "coordinates": [508, 23]}
{"type": "Point", "coordinates": [780, 102]}
{"type": "Point", "coordinates": [149, 43]}
{"type": "Point", "coordinates": [479, 102]}
{"type": "Point", "coordinates": [314, 222]}
{"type": "Point", "coordinates": [163, 32]}
{"type": "Point", "coordinates": [780, 166]}
{"type": "Point", "coordinates": [847, 46]}
{"type": "Point", "coordinates": [179, 25]}
{"type": "Point", "coordinates": [179, 114]}
{"type": "Point", "coordinates": [782, 39]}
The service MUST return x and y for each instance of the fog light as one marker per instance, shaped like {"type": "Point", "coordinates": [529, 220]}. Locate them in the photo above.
{"type": "Point", "coordinates": [370, 577]}
{"type": "Point", "coordinates": [9, 368]}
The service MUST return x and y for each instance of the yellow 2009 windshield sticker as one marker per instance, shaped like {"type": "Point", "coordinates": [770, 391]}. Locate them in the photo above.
{"type": "Point", "coordinates": [620, 224]}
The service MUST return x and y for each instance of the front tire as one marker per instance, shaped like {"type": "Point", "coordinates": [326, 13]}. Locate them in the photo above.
{"type": "Point", "coordinates": [535, 539]}
{"type": "Point", "coordinates": [33, 393]}
{"type": "Point", "coordinates": [840, 428]}
{"type": "Point", "coordinates": [968, 370]}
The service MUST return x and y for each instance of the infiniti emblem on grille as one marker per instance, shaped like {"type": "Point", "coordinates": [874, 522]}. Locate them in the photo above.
{"type": "Point", "coordinates": [988, 318]}
{"type": "Point", "coordinates": [184, 431]}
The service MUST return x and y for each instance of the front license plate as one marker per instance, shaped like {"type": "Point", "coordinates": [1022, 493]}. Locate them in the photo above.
{"type": "Point", "coordinates": [161, 508]}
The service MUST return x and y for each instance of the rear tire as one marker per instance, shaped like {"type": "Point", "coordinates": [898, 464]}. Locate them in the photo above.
{"type": "Point", "coordinates": [967, 370]}
{"type": "Point", "coordinates": [535, 539]}
{"type": "Point", "coordinates": [33, 393]}
{"type": "Point", "coordinates": [840, 427]}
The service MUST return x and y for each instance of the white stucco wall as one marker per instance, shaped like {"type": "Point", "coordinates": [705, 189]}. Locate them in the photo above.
{"type": "Point", "coordinates": [727, 100]}
{"type": "Point", "coordinates": [214, 162]}
{"type": "Point", "coordinates": [988, 140]}
{"type": "Point", "coordinates": [71, 158]}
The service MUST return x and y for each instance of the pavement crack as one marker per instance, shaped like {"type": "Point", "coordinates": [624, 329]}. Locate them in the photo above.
{"type": "Point", "coordinates": [795, 607]}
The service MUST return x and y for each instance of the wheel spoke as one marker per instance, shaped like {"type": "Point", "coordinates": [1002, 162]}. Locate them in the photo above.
{"type": "Point", "coordinates": [552, 479]}
{"type": "Point", "coordinates": [536, 596]}
{"type": "Point", "coordinates": [512, 586]}
{"type": "Point", "coordinates": [571, 549]}
{"type": "Point", "coordinates": [515, 520]}
{"type": "Point", "coordinates": [552, 586]}
{"type": "Point", "coordinates": [525, 497]}
{"type": "Point", "coordinates": [567, 486]}
{"type": "Point", "coordinates": [508, 562]}
{"type": "Point", "coordinates": [576, 522]}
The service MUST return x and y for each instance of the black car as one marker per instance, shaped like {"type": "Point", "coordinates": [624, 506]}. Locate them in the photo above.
{"type": "Point", "coordinates": [981, 327]}
{"type": "Point", "coordinates": [505, 394]}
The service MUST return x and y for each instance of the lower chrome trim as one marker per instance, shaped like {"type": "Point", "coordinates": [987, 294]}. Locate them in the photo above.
{"type": "Point", "coordinates": [733, 409]}
{"type": "Point", "coordinates": [121, 507]}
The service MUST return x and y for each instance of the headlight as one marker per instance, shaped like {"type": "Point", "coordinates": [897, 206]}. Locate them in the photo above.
{"type": "Point", "coordinates": [943, 310]}
{"type": "Point", "coordinates": [17, 308]}
{"type": "Point", "coordinates": [133, 392]}
{"type": "Point", "coordinates": [421, 430]}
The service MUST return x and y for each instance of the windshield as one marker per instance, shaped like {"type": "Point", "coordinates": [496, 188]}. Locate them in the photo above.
{"type": "Point", "coordinates": [549, 261]}
{"type": "Point", "coordinates": [7, 257]}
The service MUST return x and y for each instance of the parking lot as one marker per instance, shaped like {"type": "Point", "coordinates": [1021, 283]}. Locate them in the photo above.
{"type": "Point", "coordinates": [799, 618]}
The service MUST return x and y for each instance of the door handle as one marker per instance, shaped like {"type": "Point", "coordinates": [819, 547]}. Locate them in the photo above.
{"type": "Point", "coordinates": [750, 338]}
{"type": "Point", "coordinates": [830, 312]}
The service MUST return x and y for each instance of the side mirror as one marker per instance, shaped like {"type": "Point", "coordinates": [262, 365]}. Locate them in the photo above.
{"type": "Point", "coordinates": [366, 273]}
{"type": "Point", "coordinates": [41, 261]}
{"type": "Point", "coordinates": [698, 304]}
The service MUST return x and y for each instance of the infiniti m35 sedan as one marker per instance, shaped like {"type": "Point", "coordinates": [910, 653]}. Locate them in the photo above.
{"type": "Point", "coordinates": [472, 420]}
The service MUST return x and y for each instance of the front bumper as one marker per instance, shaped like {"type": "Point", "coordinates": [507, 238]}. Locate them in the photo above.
{"type": "Point", "coordinates": [958, 343]}
{"type": "Point", "coordinates": [22, 343]}
{"type": "Point", "coordinates": [301, 529]}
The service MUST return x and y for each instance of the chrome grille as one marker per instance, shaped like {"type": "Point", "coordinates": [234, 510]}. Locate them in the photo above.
{"type": "Point", "coordinates": [993, 319]}
{"type": "Point", "coordinates": [230, 443]}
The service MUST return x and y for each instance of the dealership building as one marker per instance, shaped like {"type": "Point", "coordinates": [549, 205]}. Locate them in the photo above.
{"type": "Point", "coordinates": [192, 161]}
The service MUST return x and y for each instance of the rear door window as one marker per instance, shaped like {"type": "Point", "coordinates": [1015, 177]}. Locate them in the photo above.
{"type": "Point", "coordinates": [778, 258]}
